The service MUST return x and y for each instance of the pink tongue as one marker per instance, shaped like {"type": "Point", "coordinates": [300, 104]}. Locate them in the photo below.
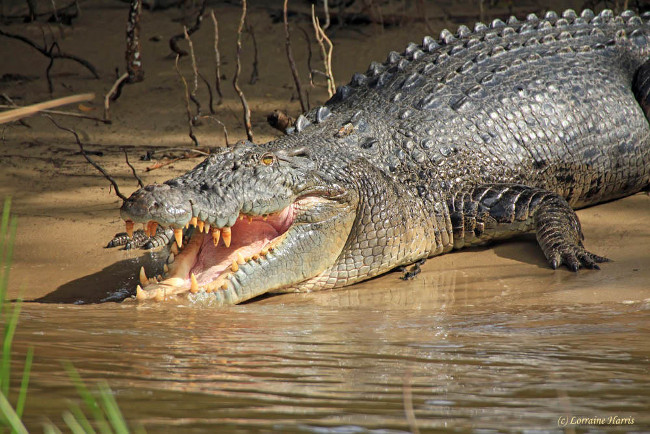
{"type": "Point", "coordinates": [247, 239]}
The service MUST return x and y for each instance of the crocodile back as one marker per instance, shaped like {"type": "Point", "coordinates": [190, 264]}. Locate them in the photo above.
{"type": "Point", "coordinates": [544, 102]}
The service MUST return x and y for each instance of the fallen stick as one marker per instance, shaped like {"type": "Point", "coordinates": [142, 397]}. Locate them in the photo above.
{"type": "Point", "coordinates": [30, 110]}
{"type": "Point", "coordinates": [61, 113]}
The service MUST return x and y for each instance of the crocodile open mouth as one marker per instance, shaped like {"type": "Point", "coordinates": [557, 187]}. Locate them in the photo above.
{"type": "Point", "coordinates": [211, 256]}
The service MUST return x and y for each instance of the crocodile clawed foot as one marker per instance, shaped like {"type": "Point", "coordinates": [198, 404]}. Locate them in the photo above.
{"type": "Point", "coordinates": [140, 239]}
{"type": "Point", "coordinates": [414, 271]}
{"type": "Point", "coordinates": [575, 257]}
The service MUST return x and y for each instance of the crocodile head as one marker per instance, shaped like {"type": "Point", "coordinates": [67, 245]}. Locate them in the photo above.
{"type": "Point", "coordinates": [263, 219]}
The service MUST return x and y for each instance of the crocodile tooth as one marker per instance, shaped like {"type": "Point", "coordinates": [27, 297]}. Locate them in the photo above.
{"type": "Point", "coordinates": [240, 258]}
{"type": "Point", "coordinates": [264, 251]}
{"type": "Point", "coordinates": [143, 277]}
{"type": "Point", "coordinates": [250, 219]}
{"type": "Point", "coordinates": [216, 233]}
{"type": "Point", "coordinates": [206, 228]}
{"type": "Point", "coordinates": [194, 287]}
{"type": "Point", "coordinates": [199, 225]}
{"type": "Point", "coordinates": [178, 235]}
{"type": "Point", "coordinates": [170, 259]}
{"type": "Point", "coordinates": [194, 221]}
{"type": "Point", "coordinates": [129, 228]}
{"type": "Point", "coordinates": [159, 296]}
{"type": "Point", "coordinates": [234, 267]}
{"type": "Point", "coordinates": [302, 122]}
{"type": "Point", "coordinates": [174, 249]}
{"type": "Point", "coordinates": [226, 235]}
{"type": "Point", "coordinates": [165, 268]}
{"type": "Point", "coordinates": [139, 293]}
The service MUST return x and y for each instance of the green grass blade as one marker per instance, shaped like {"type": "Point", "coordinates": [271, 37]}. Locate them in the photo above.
{"type": "Point", "coordinates": [81, 418]}
{"type": "Point", "coordinates": [24, 383]}
{"type": "Point", "coordinates": [10, 236]}
{"type": "Point", "coordinates": [10, 416]}
{"type": "Point", "coordinates": [5, 365]}
{"type": "Point", "coordinates": [89, 400]}
{"type": "Point", "coordinates": [49, 428]}
{"type": "Point", "coordinates": [4, 223]}
{"type": "Point", "coordinates": [112, 410]}
{"type": "Point", "coordinates": [73, 423]}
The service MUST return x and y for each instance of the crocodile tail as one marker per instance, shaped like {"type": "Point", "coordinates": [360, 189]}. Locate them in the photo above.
{"type": "Point", "coordinates": [641, 87]}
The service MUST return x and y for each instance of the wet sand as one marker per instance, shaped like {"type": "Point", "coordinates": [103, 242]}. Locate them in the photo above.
{"type": "Point", "coordinates": [474, 308]}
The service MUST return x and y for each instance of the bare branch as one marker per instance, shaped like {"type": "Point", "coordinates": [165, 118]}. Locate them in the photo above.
{"type": "Point", "coordinates": [90, 160]}
{"type": "Point", "coordinates": [173, 41]}
{"type": "Point", "coordinates": [47, 53]}
{"type": "Point", "coordinates": [292, 63]}
{"type": "Point", "coordinates": [187, 102]}
{"type": "Point", "coordinates": [235, 81]}
{"type": "Point", "coordinates": [255, 73]}
{"type": "Point", "coordinates": [195, 82]}
{"type": "Point", "coordinates": [325, 53]}
{"type": "Point", "coordinates": [109, 96]}
{"type": "Point", "coordinates": [126, 156]}
{"type": "Point", "coordinates": [217, 57]}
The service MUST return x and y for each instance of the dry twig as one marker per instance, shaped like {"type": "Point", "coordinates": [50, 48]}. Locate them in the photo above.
{"type": "Point", "coordinates": [173, 41]}
{"type": "Point", "coordinates": [255, 73]}
{"type": "Point", "coordinates": [195, 82]}
{"type": "Point", "coordinates": [113, 94]}
{"type": "Point", "coordinates": [48, 53]}
{"type": "Point", "coordinates": [292, 63]}
{"type": "Point", "coordinates": [126, 157]}
{"type": "Point", "coordinates": [187, 102]}
{"type": "Point", "coordinates": [326, 54]}
{"type": "Point", "coordinates": [217, 57]}
{"type": "Point", "coordinates": [235, 81]}
{"type": "Point", "coordinates": [225, 130]}
{"type": "Point", "coordinates": [90, 160]}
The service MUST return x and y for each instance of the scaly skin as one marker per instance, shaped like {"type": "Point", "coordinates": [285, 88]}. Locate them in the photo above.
{"type": "Point", "coordinates": [475, 137]}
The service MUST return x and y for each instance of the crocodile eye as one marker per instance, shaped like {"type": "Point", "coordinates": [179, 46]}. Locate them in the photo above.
{"type": "Point", "coordinates": [267, 159]}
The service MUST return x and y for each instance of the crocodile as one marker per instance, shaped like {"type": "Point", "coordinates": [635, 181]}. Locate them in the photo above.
{"type": "Point", "coordinates": [474, 137]}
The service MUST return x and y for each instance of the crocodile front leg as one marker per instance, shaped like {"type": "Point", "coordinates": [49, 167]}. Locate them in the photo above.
{"type": "Point", "coordinates": [140, 239]}
{"type": "Point", "coordinates": [498, 211]}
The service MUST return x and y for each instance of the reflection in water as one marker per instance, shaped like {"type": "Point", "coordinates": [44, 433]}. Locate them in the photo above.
{"type": "Point", "coordinates": [339, 359]}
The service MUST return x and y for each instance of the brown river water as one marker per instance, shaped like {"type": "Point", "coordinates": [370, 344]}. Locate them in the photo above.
{"type": "Point", "coordinates": [484, 340]}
